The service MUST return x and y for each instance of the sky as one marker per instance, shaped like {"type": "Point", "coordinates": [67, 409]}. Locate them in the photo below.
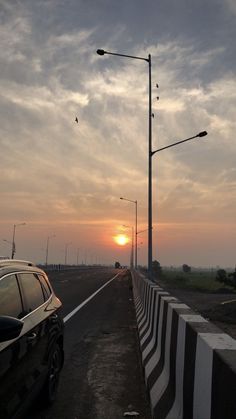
{"type": "Point", "coordinates": [64, 179]}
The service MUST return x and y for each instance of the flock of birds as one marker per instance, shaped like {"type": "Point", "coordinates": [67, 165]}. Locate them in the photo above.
{"type": "Point", "coordinates": [77, 121]}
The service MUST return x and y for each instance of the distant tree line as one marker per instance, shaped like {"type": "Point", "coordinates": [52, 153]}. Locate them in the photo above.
{"type": "Point", "coordinates": [227, 279]}
{"type": "Point", "coordinates": [157, 269]}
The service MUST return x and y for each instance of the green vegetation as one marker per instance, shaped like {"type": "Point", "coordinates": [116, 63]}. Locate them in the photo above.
{"type": "Point", "coordinates": [194, 280]}
{"type": "Point", "coordinates": [230, 279]}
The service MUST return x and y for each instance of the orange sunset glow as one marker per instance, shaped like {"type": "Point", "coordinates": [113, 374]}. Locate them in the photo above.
{"type": "Point", "coordinates": [121, 239]}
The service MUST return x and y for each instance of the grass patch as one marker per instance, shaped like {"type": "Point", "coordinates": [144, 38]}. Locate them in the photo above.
{"type": "Point", "coordinates": [200, 281]}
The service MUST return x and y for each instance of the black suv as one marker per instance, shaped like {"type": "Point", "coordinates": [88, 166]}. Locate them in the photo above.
{"type": "Point", "coordinates": [31, 337]}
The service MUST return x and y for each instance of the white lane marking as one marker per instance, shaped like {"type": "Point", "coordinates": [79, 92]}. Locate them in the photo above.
{"type": "Point", "coordinates": [228, 301]}
{"type": "Point", "coordinates": [73, 312]}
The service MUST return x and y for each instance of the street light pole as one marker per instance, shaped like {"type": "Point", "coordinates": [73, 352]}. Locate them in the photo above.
{"type": "Point", "coordinates": [136, 228]}
{"type": "Point", "coordinates": [13, 239]}
{"type": "Point", "coordinates": [148, 60]}
{"type": "Point", "coordinates": [132, 247]}
{"type": "Point", "coordinates": [66, 247]}
{"type": "Point", "coordinates": [150, 152]}
{"type": "Point", "coordinates": [136, 234]}
{"type": "Point", "coordinates": [13, 242]}
{"type": "Point", "coordinates": [150, 173]}
{"type": "Point", "coordinates": [47, 246]}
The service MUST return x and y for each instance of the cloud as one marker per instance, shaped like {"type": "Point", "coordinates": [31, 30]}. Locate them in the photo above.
{"type": "Point", "coordinates": [56, 170]}
{"type": "Point", "coordinates": [231, 6]}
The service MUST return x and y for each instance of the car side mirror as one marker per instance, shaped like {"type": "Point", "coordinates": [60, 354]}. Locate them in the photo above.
{"type": "Point", "coordinates": [10, 328]}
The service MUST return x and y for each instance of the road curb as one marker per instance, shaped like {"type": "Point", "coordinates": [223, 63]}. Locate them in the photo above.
{"type": "Point", "coordinates": [189, 364]}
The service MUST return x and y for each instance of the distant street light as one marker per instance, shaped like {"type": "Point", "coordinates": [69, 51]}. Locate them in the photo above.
{"type": "Point", "coordinates": [47, 246]}
{"type": "Point", "coordinates": [132, 247]}
{"type": "Point", "coordinates": [85, 257]}
{"type": "Point", "coordinates": [66, 249]}
{"type": "Point", "coordinates": [136, 228]}
{"type": "Point", "coordinates": [13, 239]}
{"type": "Point", "coordinates": [77, 256]}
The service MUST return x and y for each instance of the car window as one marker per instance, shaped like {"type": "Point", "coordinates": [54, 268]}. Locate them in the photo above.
{"type": "Point", "coordinates": [46, 289]}
{"type": "Point", "coordinates": [32, 290]}
{"type": "Point", "coordinates": [10, 297]}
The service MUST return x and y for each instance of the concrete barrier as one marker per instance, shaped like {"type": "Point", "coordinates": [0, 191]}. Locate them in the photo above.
{"type": "Point", "coordinates": [189, 364]}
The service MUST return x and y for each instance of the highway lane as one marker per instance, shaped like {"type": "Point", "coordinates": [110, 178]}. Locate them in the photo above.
{"type": "Point", "coordinates": [102, 375]}
{"type": "Point", "coordinates": [75, 286]}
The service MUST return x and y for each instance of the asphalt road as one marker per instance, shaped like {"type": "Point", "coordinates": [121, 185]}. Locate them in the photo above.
{"type": "Point", "coordinates": [102, 375]}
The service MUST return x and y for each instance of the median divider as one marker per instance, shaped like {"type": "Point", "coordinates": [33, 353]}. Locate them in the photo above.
{"type": "Point", "coordinates": [189, 364]}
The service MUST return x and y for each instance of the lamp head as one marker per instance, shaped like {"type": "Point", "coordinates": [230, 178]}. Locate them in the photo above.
{"type": "Point", "coordinates": [202, 134]}
{"type": "Point", "coordinates": [100, 51]}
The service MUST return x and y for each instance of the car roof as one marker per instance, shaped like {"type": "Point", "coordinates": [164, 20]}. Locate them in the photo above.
{"type": "Point", "coordinates": [14, 265]}
{"type": "Point", "coordinates": [10, 262]}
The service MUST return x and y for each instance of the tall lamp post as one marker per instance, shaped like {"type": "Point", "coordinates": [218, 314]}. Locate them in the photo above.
{"type": "Point", "coordinates": [47, 246]}
{"type": "Point", "coordinates": [136, 228]}
{"type": "Point", "coordinates": [149, 61]}
{"type": "Point", "coordinates": [150, 151]}
{"type": "Point", "coordinates": [13, 239]}
{"type": "Point", "coordinates": [66, 249]}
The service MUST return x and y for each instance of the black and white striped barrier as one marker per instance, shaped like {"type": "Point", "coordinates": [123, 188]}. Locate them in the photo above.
{"type": "Point", "coordinates": [189, 364]}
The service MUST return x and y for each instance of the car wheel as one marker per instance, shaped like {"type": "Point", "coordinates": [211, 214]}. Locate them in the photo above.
{"type": "Point", "coordinates": [54, 368]}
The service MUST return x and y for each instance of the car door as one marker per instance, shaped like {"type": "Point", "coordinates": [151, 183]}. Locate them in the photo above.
{"type": "Point", "coordinates": [14, 354]}
{"type": "Point", "coordinates": [36, 301]}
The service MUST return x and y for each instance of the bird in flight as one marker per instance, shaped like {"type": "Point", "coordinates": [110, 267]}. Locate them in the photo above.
{"type": "Point", "coordinates": [76, 120]}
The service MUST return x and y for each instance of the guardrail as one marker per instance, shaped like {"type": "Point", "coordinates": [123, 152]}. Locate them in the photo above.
{"type": "Point", "coordinates": [62, 267]}
{"type": "Point", "coordinates": [189, 364]}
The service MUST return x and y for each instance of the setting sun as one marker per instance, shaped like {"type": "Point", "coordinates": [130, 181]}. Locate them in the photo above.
{"type": "Point", "coordinates": [121, 239]}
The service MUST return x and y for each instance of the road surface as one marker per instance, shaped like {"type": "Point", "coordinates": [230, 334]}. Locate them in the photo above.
{"type": "Point", "coordinates": [102, 375]}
